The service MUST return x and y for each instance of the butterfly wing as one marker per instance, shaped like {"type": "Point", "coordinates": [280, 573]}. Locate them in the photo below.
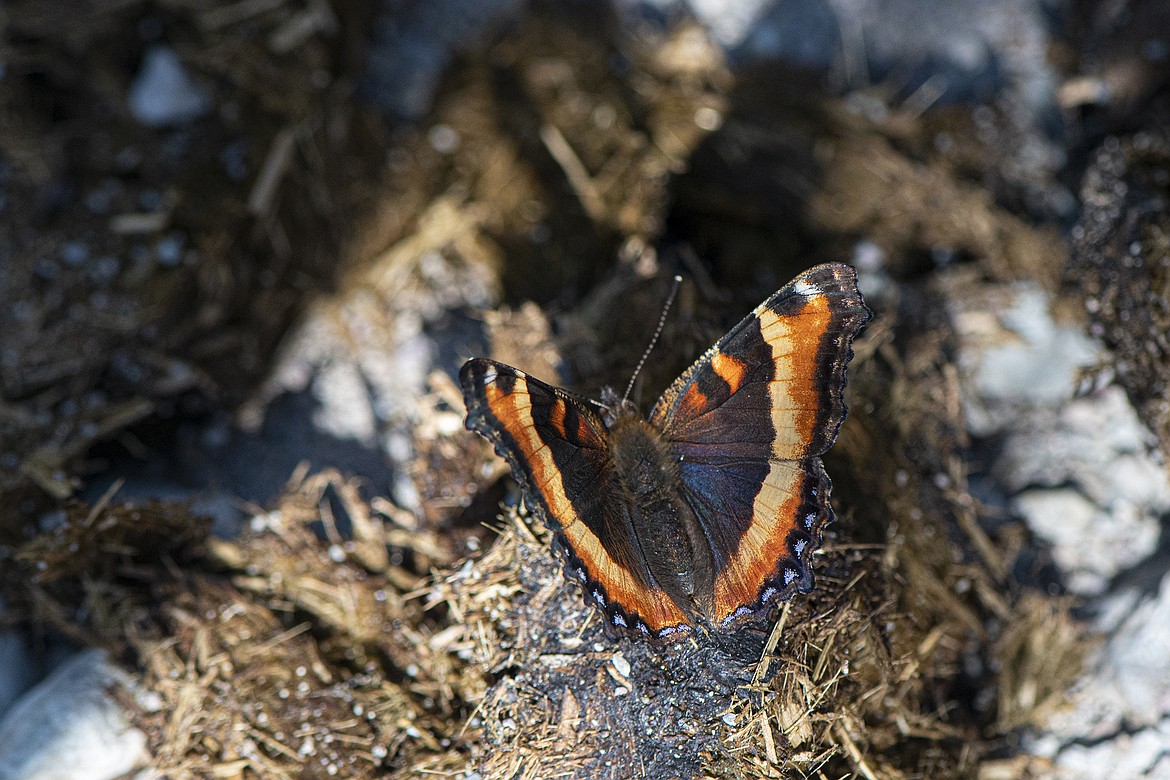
{"type": "Point", "coordinates": [749, 422]}
{"type": "Point", "coordinates": [559, 453]}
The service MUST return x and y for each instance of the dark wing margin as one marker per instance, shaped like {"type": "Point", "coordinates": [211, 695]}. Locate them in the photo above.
{"type": "Point", "coordinates": [748, 422]}
{"type": "Point", "coordinates": [781, 520]}
{"type": "Point", "coordinates": [558, 451]}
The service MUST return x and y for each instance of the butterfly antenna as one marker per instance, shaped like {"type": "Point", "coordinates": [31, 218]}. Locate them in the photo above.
{"type": "Point", "coordinates": [654, 339]}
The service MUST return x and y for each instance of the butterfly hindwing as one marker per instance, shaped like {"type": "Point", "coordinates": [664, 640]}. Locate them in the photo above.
{"type": "Point", "coordinates": [762, 546]}
{"type": "Point", "coordinates": [559, 453]}
{"type": "Point", "coordinates": [748, 422]}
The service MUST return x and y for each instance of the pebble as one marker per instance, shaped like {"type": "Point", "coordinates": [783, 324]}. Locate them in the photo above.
{"type": "Point", "coordinates": [163, 94]}
{"type": "Point", "coordinates": [621, 665]}
{"type": "Point", "coordinates": [69, 728]}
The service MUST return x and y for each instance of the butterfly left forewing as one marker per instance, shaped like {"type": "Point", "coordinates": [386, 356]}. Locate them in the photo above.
{"type": "Point", "coordinates": [559, 453]}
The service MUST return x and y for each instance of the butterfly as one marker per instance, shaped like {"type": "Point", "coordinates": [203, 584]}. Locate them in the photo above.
{"type": "Point", "coordinates": [704, 515]}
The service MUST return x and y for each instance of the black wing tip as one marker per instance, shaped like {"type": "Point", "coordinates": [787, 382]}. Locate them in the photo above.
{"type": "Point", "coordinates": [471, 376]}
{"type": "Point", "coordinates": [477, 372]}
{"type": "Point", "coordinates": [839, 282]}
{"type": "Point", "coordinates": [471, 381]}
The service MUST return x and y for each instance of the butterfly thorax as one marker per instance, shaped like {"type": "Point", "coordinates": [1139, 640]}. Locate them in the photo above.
{"type": "Point", "coordinates": [664, 527]}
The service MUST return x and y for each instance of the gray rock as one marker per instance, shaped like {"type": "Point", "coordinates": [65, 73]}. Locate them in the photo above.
{"type": "Point", "coordinates": [69, 727]}
{"type": "Point", "coordinates": [1118, 715]}
{"type": "Point", "coordinates": [1083, 472]}
{"type": "Point", "coordinates": [414, 43]}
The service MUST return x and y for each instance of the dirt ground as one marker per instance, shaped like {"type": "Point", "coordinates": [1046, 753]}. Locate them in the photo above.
{"type": "Point", "coordinates": [232, 451]}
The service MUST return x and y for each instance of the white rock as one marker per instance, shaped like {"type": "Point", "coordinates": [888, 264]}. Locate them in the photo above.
{"type": "Point", "coordinates": [1086, 477]}
{"type": "Point", "coordinates": [341, 386]}
{"type": "Point", "coordinates": [1118, 713]}
{"type": "Point", "coordinates": [163, 94]}
{"type": "Point", "coordinates": [1137, 660]}
{"type": "Point", "coordinates": [1089, 545]}
{"type": "Point", "coordinates": [1129, 755]}
{"type": "Point", "coordinates": [1017, 357]}
{"type": "Point", "coordinates": [1097, 442]}
{"type": "Point", "coordinates": [1094, 487]}
{"type": "Point", "coordinates": [69, 728]}
{"type": "Point", "coordinates": [364, 358]}
{"type": "Point", "coordinates": [1109, 488]}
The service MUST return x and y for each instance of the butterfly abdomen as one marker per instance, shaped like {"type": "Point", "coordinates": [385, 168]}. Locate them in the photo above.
{"type": "Point", "coordinates": [663, 526]}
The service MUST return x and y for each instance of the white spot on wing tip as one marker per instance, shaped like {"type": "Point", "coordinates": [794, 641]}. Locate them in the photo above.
{"type": "Point", "coordinates": [806, 289]}
{"type": "Point", "coordinates": [490, 374]}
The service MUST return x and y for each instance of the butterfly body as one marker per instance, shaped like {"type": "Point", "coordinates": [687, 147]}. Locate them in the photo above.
{"type": "Point", "coordinates": [705, 514]}
{"type": "Point", "coordinates": [668, 536]}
